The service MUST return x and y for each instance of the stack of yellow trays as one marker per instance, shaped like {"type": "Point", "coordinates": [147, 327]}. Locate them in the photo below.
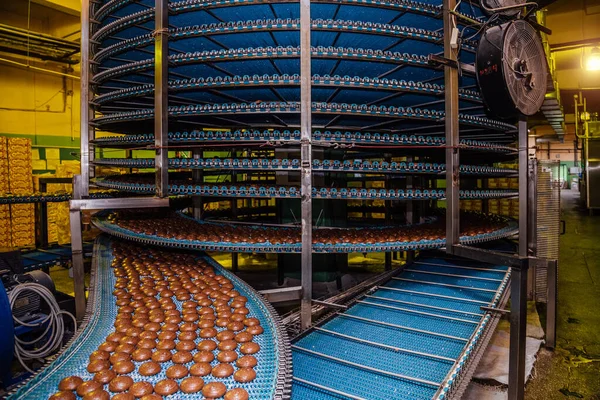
{"type": "Point", "coordinates": [63, 230]}
{"type": "Point", "coordinates": [5, 239]}
{"type": "Point", "coordinates": [22, 216]}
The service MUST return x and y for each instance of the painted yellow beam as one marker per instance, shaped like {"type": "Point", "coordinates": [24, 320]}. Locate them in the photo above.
{"type": "Point", "coordinates": [72, 7]}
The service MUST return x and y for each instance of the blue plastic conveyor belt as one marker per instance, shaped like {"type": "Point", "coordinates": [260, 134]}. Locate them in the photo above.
{"type": "Point", "coordinates": [272, 369]}
{"type": "Point", "coordinates": [408, 339]}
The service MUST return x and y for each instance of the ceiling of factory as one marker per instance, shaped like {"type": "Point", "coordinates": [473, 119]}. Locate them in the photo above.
{"type": "Point", "coordinates": [575, 28]}
{"type": "Point", "coordinates": [45, 31]}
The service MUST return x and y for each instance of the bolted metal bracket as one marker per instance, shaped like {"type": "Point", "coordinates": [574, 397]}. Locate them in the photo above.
{"type": "Point", "coordinates": [495, 310]}
{"type": "Point", "coordinates": [438, 61]}
{"type": "Point", "coordinates": [328, 304]}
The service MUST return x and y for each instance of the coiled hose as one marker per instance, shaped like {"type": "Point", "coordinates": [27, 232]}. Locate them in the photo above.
{"type": "Point", "coordinates": [54, 325]}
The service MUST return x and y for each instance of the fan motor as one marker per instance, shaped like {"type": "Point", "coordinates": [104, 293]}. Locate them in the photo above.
{"type": "Point", "coordinates": [512, 70]}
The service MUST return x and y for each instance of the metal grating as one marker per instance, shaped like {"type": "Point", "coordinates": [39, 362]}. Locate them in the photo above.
{"type": "Point", "coordinates": [548, 223]}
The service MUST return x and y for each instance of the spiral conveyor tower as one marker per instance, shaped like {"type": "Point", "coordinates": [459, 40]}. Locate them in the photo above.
{"type": "Point", "coordinates": [234, 83]}
{"type": "Point", "coordinates": [377, 107]}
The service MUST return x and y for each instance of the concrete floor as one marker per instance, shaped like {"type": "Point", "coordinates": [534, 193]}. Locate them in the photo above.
{"type": "Point", "coordinates": [573, 369]}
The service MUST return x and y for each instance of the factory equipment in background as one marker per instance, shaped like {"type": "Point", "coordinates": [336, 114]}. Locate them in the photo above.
{"type": "Point", "coordinates": [588, 132]}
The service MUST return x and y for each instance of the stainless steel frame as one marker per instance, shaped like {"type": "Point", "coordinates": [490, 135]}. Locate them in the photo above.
{"type": "Point", "coordinates": [86, 131]}
{"type": "Point", "coordinates": [161, 100]}
{"type": "Point", "coordinates": [306, 163]}
{"type": "Point", "coordinates": [81, 183]}
{"type": "Point", "coordinates": [452, 132]}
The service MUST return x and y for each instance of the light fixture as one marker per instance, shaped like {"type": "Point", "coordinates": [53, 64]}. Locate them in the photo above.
{"type": "Point", "coordinates": [593, 60]}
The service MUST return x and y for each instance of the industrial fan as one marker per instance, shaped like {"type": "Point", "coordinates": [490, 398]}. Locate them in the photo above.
{"type": "Point", "coordinates": [512, 70]}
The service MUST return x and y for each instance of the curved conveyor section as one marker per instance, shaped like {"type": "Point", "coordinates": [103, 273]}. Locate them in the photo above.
{"type": "Point", "coordinates": [181, 185]}
{"type": "Point", "coordinates": [345, 166]}
{"type": "Point", "coordinates": [223, 237]}
{"type": "Point", "coordinates": [273, 368]}
{"type": "Point", "coordinates": [411, 338]}
{"type": "Point", "coordinates": [275, 137]}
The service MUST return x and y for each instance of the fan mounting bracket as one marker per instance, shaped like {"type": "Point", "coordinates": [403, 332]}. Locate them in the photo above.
{"type": "Point", "coordinates": [438, 61]}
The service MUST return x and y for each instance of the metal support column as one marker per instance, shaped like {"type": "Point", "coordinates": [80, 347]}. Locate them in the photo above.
{"type": "Point", "coordinates": [410, 210]}
{"type": "Point", "coordinates": [306, 165]}
{"type": "Point", "coordinates": [81, 183]}
{"type": "Point", "coordinates": [41, 220]}
{"type": "Point", "coordinates": [77, 251]}
{"type": "Point", "coordinates": [85, 134]}
{"type": "Point", "coordinates": [161, 101]}
{"type": "Point", "coordinates": [551, 304]}
{"type": "Point", "coordinates": [523, 187]}
{"type": "Point", "coordinates": [197, 178]}
{"type": "Point", "coordinates": [388, 217]}
{"type": "Point", "coordinates": [518, 327]}
{"type": "Point", "coordinates": [518, 283]}
{"type": "Point", "coordinates": [234, 212]}
{"type": "Point", "coordinates": [452, 133]}
{"type": "Point", "coordinates": [41, 212]}
{"type": "Point", "coordinates": [485, 203]}
{"type": "Point", "coordinates": [531, 223]}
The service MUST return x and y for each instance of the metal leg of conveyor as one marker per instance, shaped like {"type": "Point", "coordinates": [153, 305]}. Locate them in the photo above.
{"type": "Point", "coordinates": [518, 294]}
{"type": "Point", "coordinates": [161, 101]}
{"type": "Point", "coordinates": [388, 261]}
{"type": "Point", "coordinates": [518, 327]}
{"type": "Point", "coordinates": [234, 262]}
{"type": "Point", "coordinates": [552, 303]}
{"type": "Point", "coordinates": [78, 271]}
{"type": "Point", "coordinates": [77, 252]}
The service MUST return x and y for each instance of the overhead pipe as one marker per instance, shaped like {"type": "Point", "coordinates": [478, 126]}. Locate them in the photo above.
{"type": "Point", "coordinates": [47, 71]}
{"type": "Point", "coordinates": [39, 36]}
{"type": "Point", "coordinates": [579, 103]}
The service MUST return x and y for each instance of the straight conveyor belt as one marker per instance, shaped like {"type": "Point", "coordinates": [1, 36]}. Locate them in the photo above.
{"type": "Point", "coordinates": [407, 339]}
